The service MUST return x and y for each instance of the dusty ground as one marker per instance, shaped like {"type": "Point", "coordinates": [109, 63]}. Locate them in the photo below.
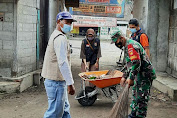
{"type": "Point", "coordinates": [32, 103]}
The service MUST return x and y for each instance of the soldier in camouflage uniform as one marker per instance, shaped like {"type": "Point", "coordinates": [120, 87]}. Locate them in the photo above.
{"type": "Point", "coordinates": [139, 73]}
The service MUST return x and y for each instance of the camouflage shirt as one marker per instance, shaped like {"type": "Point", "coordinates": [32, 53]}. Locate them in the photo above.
{"type": "Point", "coordinates": [137, 61]}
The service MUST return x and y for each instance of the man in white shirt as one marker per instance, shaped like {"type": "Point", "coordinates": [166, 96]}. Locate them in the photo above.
{"type": "Point", "coordinates": [57, 71]}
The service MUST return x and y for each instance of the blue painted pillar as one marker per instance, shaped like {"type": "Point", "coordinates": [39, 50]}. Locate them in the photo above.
{"type": "Point", "coordinates": [38, 37]}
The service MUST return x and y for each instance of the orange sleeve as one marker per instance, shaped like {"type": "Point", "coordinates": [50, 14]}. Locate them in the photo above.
{"type": "Point", "coordinates": [144, 40]}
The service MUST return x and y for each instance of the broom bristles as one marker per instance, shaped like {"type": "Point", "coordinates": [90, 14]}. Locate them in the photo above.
{"type": "Point", "coordinates": [120, 109]}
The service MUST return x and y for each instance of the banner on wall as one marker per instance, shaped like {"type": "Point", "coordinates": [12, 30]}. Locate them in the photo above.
{"type": "Point", "coordinates": [87, 21]}
{"type": "Point", "coordinates": [100, 8]}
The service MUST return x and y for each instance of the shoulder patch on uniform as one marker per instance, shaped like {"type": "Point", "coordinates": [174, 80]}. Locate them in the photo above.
{"type": "Point", "coordinates": [133, 54]}
{"type": "Point", "coordinates": [95, 44]}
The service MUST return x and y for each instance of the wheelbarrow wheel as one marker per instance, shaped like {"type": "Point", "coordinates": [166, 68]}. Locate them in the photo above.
{"type": "Point", "coordinates": [87, 101]}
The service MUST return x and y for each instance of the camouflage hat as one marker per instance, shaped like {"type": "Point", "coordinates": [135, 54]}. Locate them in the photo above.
{"type": "Point", "coordinates": [115, 36]}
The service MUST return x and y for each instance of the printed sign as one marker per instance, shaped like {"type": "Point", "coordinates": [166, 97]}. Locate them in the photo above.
{"type": "Point", "coordinates": [87, 21]}
{"type": "Point", "coordinates": [100, 8]}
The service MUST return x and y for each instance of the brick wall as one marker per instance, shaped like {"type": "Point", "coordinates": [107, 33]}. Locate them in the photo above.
{"type": "Point", "coordinates": [26, 35]}
{"type": "Point", "coordinates": [7, 36]}
{"type": "Point", "coordinates": [18, 30]}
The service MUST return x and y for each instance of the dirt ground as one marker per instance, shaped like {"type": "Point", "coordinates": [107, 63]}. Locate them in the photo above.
{"type": "Point", "coordinates": [32, 103]}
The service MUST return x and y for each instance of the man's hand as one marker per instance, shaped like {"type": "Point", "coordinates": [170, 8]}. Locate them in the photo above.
{"type": "Point", "coordinates": [96, 65]}
{"type": "Point", "coordinates": [130, 82]}
{"type": "Point", "coordinates": [86, 68]}
{"type": "Point", "coordinates": [122, 81]}
{"type": "Point", "coordinates": [71, 89]}
{"type": "Point", "coordinates": [147, 52]}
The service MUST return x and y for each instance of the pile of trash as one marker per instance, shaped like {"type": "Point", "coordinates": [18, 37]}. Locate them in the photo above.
{"type": "Point", "coordinates": [109, 74]}
{"type": "Point", "coordinates": [96, 77]}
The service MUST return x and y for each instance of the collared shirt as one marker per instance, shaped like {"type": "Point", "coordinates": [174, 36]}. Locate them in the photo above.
{"type": "Point", "coordinates": [61, 50]}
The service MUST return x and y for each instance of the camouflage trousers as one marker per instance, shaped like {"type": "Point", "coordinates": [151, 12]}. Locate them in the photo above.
{"type": "Point", "coordinates": [140, 94]}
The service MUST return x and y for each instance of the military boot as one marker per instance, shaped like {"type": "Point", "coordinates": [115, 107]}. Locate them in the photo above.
{"type": "Point", "coordinates": [132, 115]}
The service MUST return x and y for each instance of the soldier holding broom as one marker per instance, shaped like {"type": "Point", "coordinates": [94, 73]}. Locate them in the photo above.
{"type": "Point", "coordinates": [139, 73]}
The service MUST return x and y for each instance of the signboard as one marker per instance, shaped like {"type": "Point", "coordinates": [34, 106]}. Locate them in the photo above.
{"type": "Point", "coordinates": [75, 30]}
{"type": "Point", "coordinates": [87, 21]}
{"type": "Point", "coordinates": [100, 8]}
{"type": "Point", "coordinates": [104, 31]}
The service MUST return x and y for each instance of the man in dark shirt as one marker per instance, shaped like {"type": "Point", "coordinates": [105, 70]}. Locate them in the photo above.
{"type": "Point", "coordinates": [90, 52]}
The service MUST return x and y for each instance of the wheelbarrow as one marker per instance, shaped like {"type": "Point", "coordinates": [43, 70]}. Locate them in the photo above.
{"type": "Point", "coordinates": [109, 86]}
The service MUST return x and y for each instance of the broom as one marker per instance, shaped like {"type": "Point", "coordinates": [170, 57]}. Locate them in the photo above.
{"type": "Point", "coordinates": [120, 109]}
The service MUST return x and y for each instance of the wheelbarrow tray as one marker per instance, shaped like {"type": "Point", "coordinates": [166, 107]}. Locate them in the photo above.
{"type": "Point", "coordinates": [105, 82]}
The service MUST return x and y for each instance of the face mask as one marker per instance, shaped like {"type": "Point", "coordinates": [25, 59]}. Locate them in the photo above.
{"type": "Point", "coordinates": [119, 45]}
{"type": "Point", "coordinates": [90, 38]}
{"type": "Point", "coordinates": [66, 28]}
{"type": "Point", "coordinates": [133, 30]}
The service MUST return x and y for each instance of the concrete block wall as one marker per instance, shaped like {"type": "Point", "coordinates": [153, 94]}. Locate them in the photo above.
{"type": "Point", "coordinates": [7, 36]}
{"type": "Point", "coordinates": [26, 35]}
{"type": "Point", "coordinates": [172, 52]}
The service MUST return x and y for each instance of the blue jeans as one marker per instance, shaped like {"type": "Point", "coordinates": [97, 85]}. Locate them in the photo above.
{"type": "Point", "coordinates": [58, 104]}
